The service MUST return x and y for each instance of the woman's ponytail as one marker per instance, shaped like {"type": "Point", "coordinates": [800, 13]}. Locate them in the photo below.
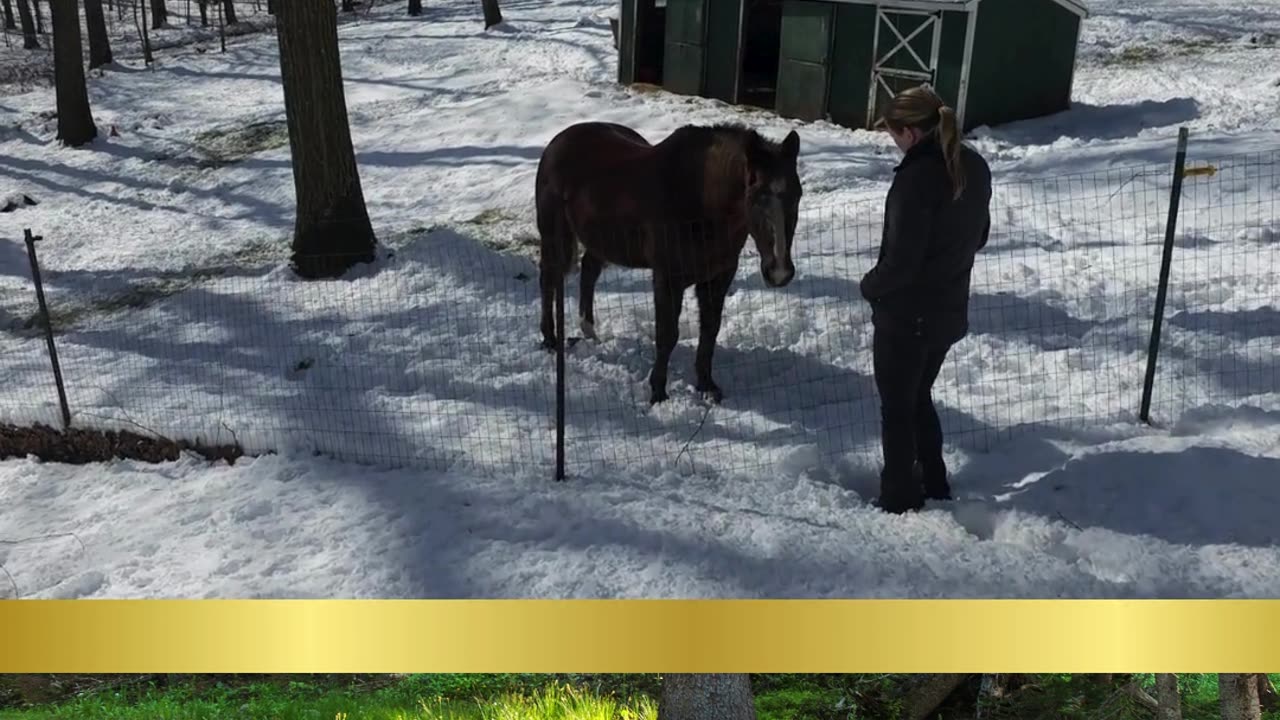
{"type": "Point", "coordinates": [949, 135]}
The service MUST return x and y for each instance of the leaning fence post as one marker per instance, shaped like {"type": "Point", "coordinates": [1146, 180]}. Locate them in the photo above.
{"type": "Point", "coordinates": [48, 326]}
{"type": "Point", "coordinates": [1166, 261]}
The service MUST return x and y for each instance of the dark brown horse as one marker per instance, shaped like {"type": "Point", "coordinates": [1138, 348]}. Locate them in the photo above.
{"type": "Point", "coordinates": [682, 208]}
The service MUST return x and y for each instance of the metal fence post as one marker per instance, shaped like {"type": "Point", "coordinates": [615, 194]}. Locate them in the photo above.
{"type": "Point", "coordinates": [1166, 261]}
{"type": "Point", "coordinates": [560, 333]}
{"type": "Point", "coordinates": [48, 326]}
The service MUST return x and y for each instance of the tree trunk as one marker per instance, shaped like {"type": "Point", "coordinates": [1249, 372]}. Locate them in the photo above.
{"type": "Point", "coordinates": [9, 22]}
{"type": "Point", "coordinates": [35, 10]}
{"type": "Point", "coordinates": [30, 41]}
{"type": "Point", "coordinates": [1168, 697]}
{"type": "Point", "coordinates": [271, 7]}
{"type": "Point", "coordinates": [204, 12]}
{"type": "Point", "coordinates": [929, 691]}
{"type": "Point", "coordinates": [1267, 696]}
{"type": "Point", "coordinates": [140, 21]}
{"type": "Point", "coordinates": [332, 232]}
{"type": "Point", "coordinates": [159, 14]}
{"type": "Point", "coordinates": [706, 697]}
{"type": "Point", "coordinates": [348, 6]}
{"type": "Point", "coordinates": [75, 121]}
{"type": "Point", "coordinates": [1238, 696]}
{"type": "Point", "coordinates": [99, 44]}
{"type": "Point", "coordinates": [415, 7]}
{"type": "Point", "coordinates": [492, 13]}
{"type": "Point", "coordinates": [229, 7]}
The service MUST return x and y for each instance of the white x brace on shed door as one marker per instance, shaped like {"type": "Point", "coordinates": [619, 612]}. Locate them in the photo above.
{"type": "Point", "coordinates": [905, 51]}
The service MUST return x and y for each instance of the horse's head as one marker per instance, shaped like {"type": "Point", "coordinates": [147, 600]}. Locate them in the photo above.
{"type": "Point", "coordinates": [773, 204]}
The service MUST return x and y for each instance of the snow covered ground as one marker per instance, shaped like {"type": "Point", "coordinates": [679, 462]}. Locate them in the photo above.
{"type": "Point", "coordinates": [164, 257]}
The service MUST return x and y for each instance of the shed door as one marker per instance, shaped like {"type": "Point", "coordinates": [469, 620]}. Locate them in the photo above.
{"type": "Point", "coordinates": [685, 52]}
{"type": "Point", "coordinates": [804, 59]}
{"type": "Point", "coordinates": [906, 54]}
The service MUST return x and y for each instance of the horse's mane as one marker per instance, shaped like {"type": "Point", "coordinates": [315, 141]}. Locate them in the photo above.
{"type": "Point", "coordinates": [751, 141]}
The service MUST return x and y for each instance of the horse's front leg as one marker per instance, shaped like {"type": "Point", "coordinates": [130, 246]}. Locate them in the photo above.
{"type": "Point", "coordinates": [667, 297]}
{"type": "Point", "coordinates": [711, 296]}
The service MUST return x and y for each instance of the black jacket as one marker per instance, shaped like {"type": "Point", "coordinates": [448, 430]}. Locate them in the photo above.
{"type": "Point", "coordinates": [920, 284]}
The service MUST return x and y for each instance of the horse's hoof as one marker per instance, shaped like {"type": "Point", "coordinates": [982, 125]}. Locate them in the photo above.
{"type": "Point", "coordinates": [548, 345]}
{"type": "Point", "coordinates": [711, 392]}
{"type": "Point", "coordinates": [658, 396]}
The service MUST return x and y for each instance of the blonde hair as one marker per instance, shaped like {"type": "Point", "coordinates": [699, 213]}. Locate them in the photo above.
{"type": "Point", "coordinates": [920, 107]}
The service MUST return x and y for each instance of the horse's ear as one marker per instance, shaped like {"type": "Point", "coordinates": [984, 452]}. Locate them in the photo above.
{"type": "Point", "coordinates": [791, 145]}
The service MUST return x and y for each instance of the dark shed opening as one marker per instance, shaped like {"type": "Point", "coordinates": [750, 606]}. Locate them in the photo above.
{"type": "Point", "coordinates": [762, 48]}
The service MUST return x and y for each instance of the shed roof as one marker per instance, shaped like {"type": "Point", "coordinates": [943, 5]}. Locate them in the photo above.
{"type": "Point", "coordinates": [919, 4]}
{"type": "Point", "coordinates": [1075, 6]}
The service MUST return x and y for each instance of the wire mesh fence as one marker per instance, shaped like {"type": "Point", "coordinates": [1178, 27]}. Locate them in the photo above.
{"type": "Point", "coordinates": [431, 356]}
{"type": "Point", "coordinates": [1221, 339]}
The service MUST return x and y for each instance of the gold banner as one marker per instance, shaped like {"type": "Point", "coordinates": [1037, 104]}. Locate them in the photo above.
{"type": "Point", "coordinates": [907, 636]}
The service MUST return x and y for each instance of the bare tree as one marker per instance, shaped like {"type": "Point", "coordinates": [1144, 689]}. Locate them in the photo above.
{"type": "Point", "coordinates": [30, 39]}
{"type": "Point", "coordinates": [1267, 696]}
{"type": "Point", "coordinates": [204, 12]}
{"type": "Point", "coordinates": [348, 6]}
{"type": "Point", "coordinates": [99, 44]}
{"type": "Point", "coordinates": [706, 697]}
{"type": "Point", "coordinates": [415, 7]}
{"type": "Point", "coordinates": [140, 21]}
{"type": "Point", "coordinates": [159, 14]}
{"type": "Point", "coordinates": [926, 692]}
{"type": "Point", "coordinates": [1238, 696]}
{"type": "Point", "coordinates": [75, 121]}
{"type": "Point", "coordinates": [1168, 697]}
{"type": "Point", "coordinates": [35, 10]}
{"type": "Point", "coordinates": [332, 232]}
{"type": "Point", "coordinates": [229, 8]}
{"type": "Point", "coordinates": [9, 22]}
{"type": "Point", "coordinates": [492, 13]}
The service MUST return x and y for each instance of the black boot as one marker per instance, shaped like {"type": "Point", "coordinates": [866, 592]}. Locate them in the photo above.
{"type": "Point", "coordinates": [899, 495]}
{"type": "Point", "coordinates": [934, 482]}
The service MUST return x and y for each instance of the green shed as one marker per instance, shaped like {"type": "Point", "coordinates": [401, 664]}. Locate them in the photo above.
{"type": "Point", "coordinates": [995, 61]}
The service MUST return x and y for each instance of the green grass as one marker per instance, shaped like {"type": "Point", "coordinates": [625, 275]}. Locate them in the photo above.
{"type": "Point", "coordinates": [577, 697]}
{"type": "Point", "coordinates": [402, 701]}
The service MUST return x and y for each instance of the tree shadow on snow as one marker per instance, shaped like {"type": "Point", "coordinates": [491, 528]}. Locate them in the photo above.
{"type": "Point", "coordinates": [1239, 325]}
{"type": "Point", "coordinates": [1195, 496]}
{"type": "Point", "coordinates": [1100, 122]}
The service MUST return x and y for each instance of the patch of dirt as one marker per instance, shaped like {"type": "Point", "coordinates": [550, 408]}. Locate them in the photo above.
{"type": "Point", "coordinates": [82, 446]}
{"type": "Point", "coordinates": [503, 230]}
{"type": "Point", "coordinates": [228, 145]}
{"type": "Point", "coordinates": [1139, 54]}
{"type": "Point", "coordinates": [140, 294]}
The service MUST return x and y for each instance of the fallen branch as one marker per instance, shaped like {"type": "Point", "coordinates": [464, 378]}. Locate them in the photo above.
{"type": "Point", "coordinates": [81, 446]}
{"type": "Point", "coordinates": [1140, 696]}
{"type": "Point", "coordinates": [17, 594]}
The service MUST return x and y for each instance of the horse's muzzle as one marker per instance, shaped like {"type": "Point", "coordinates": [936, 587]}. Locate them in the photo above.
{"type": "Point", "coordinates": [778, 274]}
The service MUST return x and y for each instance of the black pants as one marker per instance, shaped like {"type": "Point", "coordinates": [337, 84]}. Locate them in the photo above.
{"type": "Point", "coordinates": [905, 370]}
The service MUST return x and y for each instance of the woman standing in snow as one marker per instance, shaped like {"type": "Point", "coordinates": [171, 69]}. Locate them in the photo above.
{"type": "Point", "coordinates": [936, 219]}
